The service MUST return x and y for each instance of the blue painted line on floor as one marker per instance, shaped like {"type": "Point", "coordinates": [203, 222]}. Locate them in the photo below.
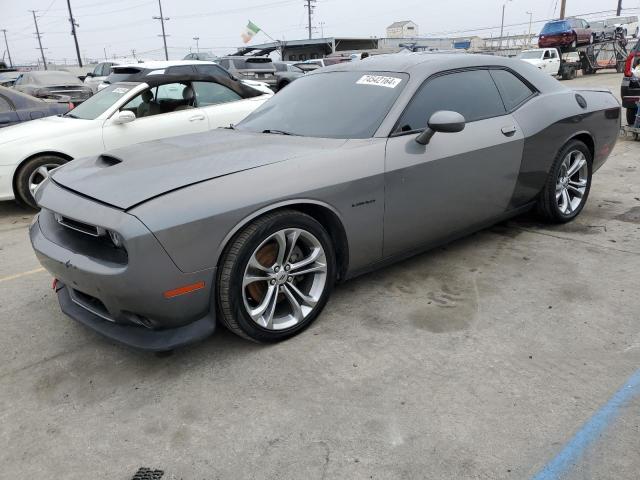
{"type": "Point", "coordinates": [590, 432]}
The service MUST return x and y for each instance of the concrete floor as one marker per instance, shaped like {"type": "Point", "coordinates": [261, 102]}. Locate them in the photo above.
{"type": "Point", "coordinates": [480, 360]}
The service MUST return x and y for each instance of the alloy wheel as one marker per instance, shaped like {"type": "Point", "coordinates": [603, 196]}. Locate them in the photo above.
{"type": "Point", "coordinates": [284, 279]}
{"type": "Point", "coordinates": [572, 182]}
{"type": "Point", "coordinates": [39, 175]}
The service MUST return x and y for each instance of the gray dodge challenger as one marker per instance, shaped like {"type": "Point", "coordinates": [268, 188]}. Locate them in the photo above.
{"type": "Point", "coordinates": [347, 169]}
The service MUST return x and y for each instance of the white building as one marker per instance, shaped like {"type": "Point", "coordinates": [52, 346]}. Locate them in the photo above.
{"type": "Point", "coordinates": [404, 29]}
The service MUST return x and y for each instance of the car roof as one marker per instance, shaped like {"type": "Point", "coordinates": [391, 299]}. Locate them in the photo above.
{"type": "Point", "coordinates": [424, 64]}
{"type": "Point", "coordinates": [153, 65]}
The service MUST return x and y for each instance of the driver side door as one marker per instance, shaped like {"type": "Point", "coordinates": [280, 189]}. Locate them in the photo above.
{"type": "Point", "coordinates": [163, 122]}
{"type": "Point", "coordinates": [458, 181]}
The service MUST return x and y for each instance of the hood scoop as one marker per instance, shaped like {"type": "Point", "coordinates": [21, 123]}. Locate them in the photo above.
{"type": "Point", "coordinates": [107, 161]}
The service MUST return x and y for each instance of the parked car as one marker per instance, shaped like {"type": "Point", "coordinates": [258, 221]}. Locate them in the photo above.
{"type": "Point", "coordinates": [53, 84]}
{"type": "Point", "coordinates": [325, 62]}
{"type": "Point", "coordinates": [348, 168]}
{"type": "Point", "coordinates": [147, 107]}
{"type": "Point", "coordinates": [98, 75]}
{"type": "Point", "coordinates": [17, 107]}
{"type": "Point", "coordinates": [286, 73]}
{"type": "Point", "coordinates": [121, 73]}
{"type": "Point", "coordinates": [8, 78]}
{"type": "Point", "coordinates": [204, 56]}
{"type": "Point", "coordinates": [569, 32]}
{"type": "Point", "coordinates": [630, 89]}
{"type": "Point", "coordinates": [261, 69]}
{"type": "Point", "coordinates": [551, 61]}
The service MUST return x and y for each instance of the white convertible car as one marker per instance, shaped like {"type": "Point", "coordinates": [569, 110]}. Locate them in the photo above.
{"type": "Point", "coordinates": [146, 107]}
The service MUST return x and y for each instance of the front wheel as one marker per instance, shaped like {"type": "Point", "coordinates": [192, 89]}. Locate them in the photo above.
{"type": "Point", "coordinates": [568, 183]}
{"type": "Point", "coordinates": [276, 276]}
{"type": "Point", "coordinates": [31, 174]}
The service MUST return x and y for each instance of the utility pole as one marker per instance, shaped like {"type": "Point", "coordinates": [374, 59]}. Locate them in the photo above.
{"type": "Point", "coordinates": [563, 6]}
{"type": "Point", "coordinates": [530, 20]}
{"type": "Point", "coordinates": [39, 40]}
{"type": "Point", "coordinates": [309, 6]}
{"type": "Point", "coordinates": [504, 5]}
{"type": "Point", "coordinates": [619, 11]}
{"type": "Point", "coordinates": [322, 29]}
{"type": "Point", "coordinates": [105, 54]}
{"type": "Point", "coordinates": [197, 39]}
{"type": "Point", "coordinates": [73, 32]}
{"type": "Point", "coordinates": [164, 35]}
{"type": "Point", "coordinates": [7, 45]}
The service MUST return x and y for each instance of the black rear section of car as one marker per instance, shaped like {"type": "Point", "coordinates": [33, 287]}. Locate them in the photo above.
{"type": "Point", "coordinates": [630, 89]}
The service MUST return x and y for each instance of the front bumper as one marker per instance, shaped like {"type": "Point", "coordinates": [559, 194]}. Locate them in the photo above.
{"type": "Point", "coordinates": [119, 294]}
{"type": "Point", "coordinates": [131, 335]}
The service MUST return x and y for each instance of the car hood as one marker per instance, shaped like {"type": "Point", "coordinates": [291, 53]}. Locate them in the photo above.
{"type": "Point", "coordinates": [49, 127]}
{"type": "Point", "coordinates": [132, 175]}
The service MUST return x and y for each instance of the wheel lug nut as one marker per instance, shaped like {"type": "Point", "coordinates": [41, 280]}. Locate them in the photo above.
{"type": "Point", "coordinates": [273, 282]}
{"type": "Point", "coordinates": [287, 267]}
{"type": "Point", "coordinates": [276, 269]}
{"type": "Point", "coordinates": [290, 279]}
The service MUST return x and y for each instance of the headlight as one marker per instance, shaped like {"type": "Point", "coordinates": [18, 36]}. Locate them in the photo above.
{"type": "Point", "coordinates": [116, 238]}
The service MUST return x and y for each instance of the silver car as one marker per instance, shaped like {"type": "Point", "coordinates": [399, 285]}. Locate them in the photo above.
{"type": "Point", "coordinates": [347, 169]}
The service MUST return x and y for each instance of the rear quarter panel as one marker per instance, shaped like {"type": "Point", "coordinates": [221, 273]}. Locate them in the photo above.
{"type": "Point", "coordinates": [550, 121]}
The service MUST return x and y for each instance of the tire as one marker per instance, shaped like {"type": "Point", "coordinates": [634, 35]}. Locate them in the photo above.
{"type": "Point", "coordinates": [252, 254]}
{"type": "Point", "coordinates": [32, 173]}
{"type": "Point", "coordinates": [282, 85]}
{"type": "Point", "coordinates": [549, 207]}
{"type": "Point", "coordinates": [574, 44]}
{"type": "Point", "coordinates": [631, 116]}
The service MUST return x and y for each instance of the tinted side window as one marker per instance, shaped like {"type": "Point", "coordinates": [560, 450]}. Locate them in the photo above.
{"type": "Point", "coordinates": [209, 93]}
{"type": "Point", "coordinates": [472, 94]}
{"type": "Point", "coordinates": [225, 63]}
{"type": "Point", "coordinates": [212, 70]}
{"type": "Point", "coordinates": [180, 69]}
{"type": "Point", "coordinates": [512, 89]}
{"type": "Point", "coordinates": [5, 106]}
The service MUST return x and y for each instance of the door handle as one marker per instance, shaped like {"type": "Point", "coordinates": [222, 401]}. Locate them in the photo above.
{"type": "Point", "coordinates": [508, 131]}
{"type": "Point", "coordinates": [196, 118]}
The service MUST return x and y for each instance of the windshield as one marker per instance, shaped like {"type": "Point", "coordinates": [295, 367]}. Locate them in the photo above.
{"type": "Point", "coordinates": [556, 27]}
{"type": "Point", "coordinates": [99, 103]}
{"type": "Point", "coordinates": [329, 105]}
{"type": "Point", "coordinates": [534, 54]}
{"type": "Point", "coordinates": [55, 78]}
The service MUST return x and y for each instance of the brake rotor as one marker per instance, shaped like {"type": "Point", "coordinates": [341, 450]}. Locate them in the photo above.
{"type": "Point", "coordinates": [266, 257]}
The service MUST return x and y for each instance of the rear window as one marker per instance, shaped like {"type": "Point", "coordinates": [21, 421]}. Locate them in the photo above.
{"type": "Point", "coordinates": [242, 64]}
{"type": "Point", "coordinates": [555, 27]}
{"type": "Point", "coordinates": [121, 74]}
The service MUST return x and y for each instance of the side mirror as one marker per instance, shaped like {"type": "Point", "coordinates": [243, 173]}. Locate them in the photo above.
{"type": "Point", "coordinates": [89, 74]}
{"type": "Point", "coordinates": [125, 116]}
{"type": "Point", "coordinates": [441, 121]}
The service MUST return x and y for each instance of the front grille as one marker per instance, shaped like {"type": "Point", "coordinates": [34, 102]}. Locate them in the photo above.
{"type": "Point", "coordinates": [78, 226]}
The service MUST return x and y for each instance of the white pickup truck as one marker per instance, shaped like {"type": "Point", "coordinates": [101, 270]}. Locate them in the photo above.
{"type": "Point", "coordinates": [550, 60]}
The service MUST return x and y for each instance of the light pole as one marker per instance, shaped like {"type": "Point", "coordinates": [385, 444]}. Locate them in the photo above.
{"type": "Point", "coordinates": [530, 20]}
{"type": "Point", "coordinates": [504, 5]}
{"type": "Point", "coordinates": [197, 45]}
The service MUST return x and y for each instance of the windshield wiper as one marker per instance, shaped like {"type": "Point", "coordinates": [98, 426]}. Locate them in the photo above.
{"type": "Point", "coordinates": [70, 115]}
{"type": "Point", "coordinates": [280, 132]}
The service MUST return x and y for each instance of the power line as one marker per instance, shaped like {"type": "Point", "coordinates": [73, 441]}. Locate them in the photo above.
{"type": "Point", "coordinates": [164, 35]}
{"type": "Point", "coordinates": [35, 20]}
{"type": "Point", "coordinates": [73, 32]}
{"type": "Point", "coordinates": [4, 30]}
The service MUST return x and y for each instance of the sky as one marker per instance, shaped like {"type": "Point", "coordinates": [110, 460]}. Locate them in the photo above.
{"type": "Point", "coordinates": [116, 27]}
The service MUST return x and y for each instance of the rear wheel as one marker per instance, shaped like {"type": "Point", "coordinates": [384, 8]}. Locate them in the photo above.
{"type": "Point", "coordinates": [568, 184]}
{"type": "Point", "coordinates": [31, 174]}
{"type": "Point", "coordinates": [574, 44]}
{"type": "Point", "coordinates": [276, 276]}
{"type": "Point", "coordinates": [631, 116]}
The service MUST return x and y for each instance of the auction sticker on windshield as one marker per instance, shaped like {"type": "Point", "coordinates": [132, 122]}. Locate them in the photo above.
{"type": "Point", "coordinates": [379, 80]}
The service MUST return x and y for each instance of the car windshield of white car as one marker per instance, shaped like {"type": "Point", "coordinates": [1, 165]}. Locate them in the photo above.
{"type": "Point", "coordinates": [96, 105]}
{"type": "Point", "coordinates": [329, 105]}
{"type": "Point", "coordinates": [534, 54]}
